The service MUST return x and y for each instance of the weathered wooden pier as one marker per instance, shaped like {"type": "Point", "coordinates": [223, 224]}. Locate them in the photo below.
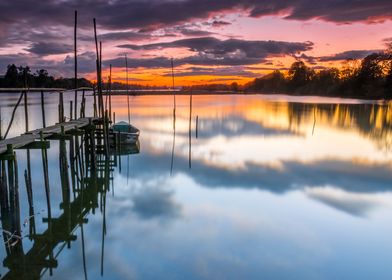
{"type": "Point", "coordinates": [36, 138]}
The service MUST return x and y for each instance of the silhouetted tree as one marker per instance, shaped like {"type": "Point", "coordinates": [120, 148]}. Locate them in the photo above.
{"type": "Point", "coordinates": [11, 76]}
{"type": "Point", "coordinates": [299, 75]}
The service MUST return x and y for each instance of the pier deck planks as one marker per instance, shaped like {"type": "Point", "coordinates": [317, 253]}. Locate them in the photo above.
{"type": "Point", "coordinates": [35, 135]}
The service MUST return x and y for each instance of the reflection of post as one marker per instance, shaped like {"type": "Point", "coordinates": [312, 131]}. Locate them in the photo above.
{"type": "Point", "coordinates": [29, 191]}
{"type": "Point", "coordinates": [174, 144]}
{"type": "Point", "coordinates": [10, 213]}
{"type": "Point", "coordinates": [65, 187]}
{"type": "Point", "coordinates": [47, 193]}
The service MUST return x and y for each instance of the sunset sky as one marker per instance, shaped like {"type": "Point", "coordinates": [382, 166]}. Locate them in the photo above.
{"type": "Point", "coordinates": [210, 41]}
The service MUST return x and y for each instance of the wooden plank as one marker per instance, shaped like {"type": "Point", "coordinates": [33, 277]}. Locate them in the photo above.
{"type": "Point", "coordinates": [49, 132]}
{"type": "Point", "coordinates": [36, 145]}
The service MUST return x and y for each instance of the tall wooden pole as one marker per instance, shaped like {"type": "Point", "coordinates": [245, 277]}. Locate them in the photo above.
{"type": "Point", "coordinates": [110, 93]}
{"type": "Point", "coordinates": [76, 67]}
{"type": "Point", "coordinates": [43, 109]}
{"type": "Point", "coordinates": [126, 74]}
{"type": "Point", "coordinates": [174, 96]}
{"type": "Point", "coordinates": [25, 103]}
{"type": "Point", "coordinates": [97, 62]}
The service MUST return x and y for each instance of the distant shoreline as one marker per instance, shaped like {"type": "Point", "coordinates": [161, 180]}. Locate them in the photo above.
{"type": "Point", "coordinates": [201, 92]}
{"type": "Point", "coordinates": [187, 92]}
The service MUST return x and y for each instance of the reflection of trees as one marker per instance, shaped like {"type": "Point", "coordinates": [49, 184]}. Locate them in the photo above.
{"type": "Point", "coordinates": [371, 120]}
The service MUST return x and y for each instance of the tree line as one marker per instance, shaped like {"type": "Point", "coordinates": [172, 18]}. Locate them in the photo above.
{"type": "Point", "coordinates": [370, 78]}
{"type": "Point", "coordinates": [19, 77]}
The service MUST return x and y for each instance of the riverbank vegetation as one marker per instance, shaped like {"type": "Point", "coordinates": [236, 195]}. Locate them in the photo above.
{"type": "Point", "coordinates": [19, 77]}
{"type": "Point", "coordinates": [369, 78]}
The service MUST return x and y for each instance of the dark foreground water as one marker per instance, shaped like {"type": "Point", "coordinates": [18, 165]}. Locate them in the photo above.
{"type": "Point", "coordinates": [272, 187]}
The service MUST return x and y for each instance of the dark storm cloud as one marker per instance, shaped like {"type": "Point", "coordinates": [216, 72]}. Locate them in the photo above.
{"type": "Point", "coordinates": [156, 62]}
{"type": "Point", "coordinates": [214, 46]}
{"type": "Point", "coordinates": [354, 54]}
{"type": "Point", "coordinates": [48, 48]}
{"type": "Point", "coordinates": [122, 14]}
{"type": "Point", "coordinates": [212, 51]}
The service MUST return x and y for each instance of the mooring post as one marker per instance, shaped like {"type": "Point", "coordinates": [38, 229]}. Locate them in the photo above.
{"type": "Point", "coordinates": [95, 102]}
{"type": "Point", "coordinates": [26, 112]}
{"type": "Point", "coordinates": [84, 105]}
{"type": "Point", "coordinates": [61, 107]}
{"type": "Point", "coordinates": [43, 109]}
{"type": "Point", "coordinates": [70, 110]}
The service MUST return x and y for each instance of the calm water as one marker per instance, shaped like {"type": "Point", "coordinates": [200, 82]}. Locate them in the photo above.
{"type": "Point", "coordinates": [272, 187]}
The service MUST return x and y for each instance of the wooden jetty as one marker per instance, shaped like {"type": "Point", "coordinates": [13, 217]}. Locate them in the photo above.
{"type": "Point", "coordinates": [34, 138]}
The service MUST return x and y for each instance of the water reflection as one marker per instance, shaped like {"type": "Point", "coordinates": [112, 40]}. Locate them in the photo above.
{"type": "Point", "coordinates": [90, 173]}
{"type": "Point", "coordinates": [279, 188]}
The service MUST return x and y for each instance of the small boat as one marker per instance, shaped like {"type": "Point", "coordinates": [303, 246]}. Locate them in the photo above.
{"type": "Point", "coordinates": [125, 132]}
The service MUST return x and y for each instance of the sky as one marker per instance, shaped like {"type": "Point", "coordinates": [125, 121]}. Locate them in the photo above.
{"type": "Point", "coordinates": [220, 41]}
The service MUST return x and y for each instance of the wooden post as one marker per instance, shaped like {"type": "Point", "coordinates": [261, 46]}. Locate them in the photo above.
{"type": "Point", "coordinates": [76, 67]}
{"type": "Point", "coordinates": [84, 106]}
{"type": "Point", "coordinates": [126, 73]}
{"type": "Point", "coordinates": [114, 117]}
{"type": "Point", "coordinates": [43, 109]}
{"type": "Point", "coordinates": [13, 115]}
{"type": "Point", "coordinates": [174, 96]}
{"type": "Point", "coordinates": [26, 112]}
{"type": "Point", "coordinates": [61, 107]}
{"type": "Point", "coordinates": [70, 110]}
{"type": "Point", "coordinates": [95, 102]}
{"type": "Point", "coordinates": [98, 54]}
{"type": "Point", "coordinates": [110, 92]}
{"type": "Point", "coordinates": [100, 78]}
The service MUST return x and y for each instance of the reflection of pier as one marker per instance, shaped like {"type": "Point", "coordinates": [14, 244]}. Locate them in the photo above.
{"type": "Point", "coordinates": [85, 173]}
